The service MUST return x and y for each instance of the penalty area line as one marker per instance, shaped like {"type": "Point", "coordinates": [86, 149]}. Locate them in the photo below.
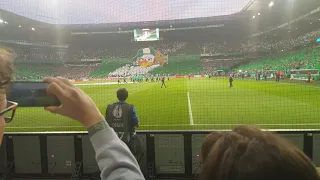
{"type": "Point", "coordinates": [190, 109]}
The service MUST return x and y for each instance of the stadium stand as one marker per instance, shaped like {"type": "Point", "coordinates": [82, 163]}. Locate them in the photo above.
{"type": "Point", "coordinates": [180, 65]}
{"type": "Point", "coordinates": [34, 70]}
{"type": "Point", "coordinates": [308, 58]}
{"type": "Point", "coordinates": [116, 61]}
{"type": "Point", "coordinates": [81, 71]}
{"type": "Point", "coordinates": [116, 57]}
{"type": "Point", "coordinates": [129, 70]}
{"type": "Point", "coordinates": [108, 66]}
{"type": "Point", "coordinates": [32, 62]}
{"type": "Point", "coordinates": [209, 64]}
{"type": "Point", "coordinates": [213, 48]}
{"type": "Point", "coordinates": [287, 43]}
{"type": "Point", "coordinates": [166, 48]}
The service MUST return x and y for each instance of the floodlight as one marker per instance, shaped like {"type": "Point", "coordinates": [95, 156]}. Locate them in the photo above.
{"type": "Point", "coordinates": [271, 4]}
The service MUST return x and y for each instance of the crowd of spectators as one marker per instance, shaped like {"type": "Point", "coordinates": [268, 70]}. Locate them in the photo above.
{"type": "Point", "coordinates": [39, 71]}
{"type": "Point", "coordinates": [129, 49]}
{"type": "Point", "coordinates": [266, 45]}
{"type": "Point", "coordinates": [38, 54]}
{"type": "Point", "coordinates": [36, 62]}
{"type": "Point", "coordinates": [307, 58]}
{"type": "Point", "coordinates": [78, 52]}
{"type": "Point", "coordinates": [97, 53]}
{"type": "Point", "coordinates": [76, 71]}
{"type": "Point", "coordinates": [168, 48]}
{"type": "Point", "coordinates": [129, 70]}
{"type": "Point", "coordinates": [126, 48]}
{"type": "Point", "coordinates": [120, 50]}
{"type": "Point", "coordinates": [286, 43]}
{"type": "Point", "coordinates": [35, 71]}
{"type": "Point", "coordinates": [214, 48]}
{"type": "Point", "coordinates": [211, 64]}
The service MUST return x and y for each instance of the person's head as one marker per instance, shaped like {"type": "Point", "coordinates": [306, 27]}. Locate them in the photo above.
{"type": "Point", "coordinates": [6, 69]}
{"type": "Point", "coordinates": [122, 94]}
{"type": "Point", "coordinates": [247, 153]}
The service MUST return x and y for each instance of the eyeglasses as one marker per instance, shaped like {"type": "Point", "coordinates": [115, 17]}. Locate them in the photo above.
{"type": "Point", "coordinates": [11, 106]}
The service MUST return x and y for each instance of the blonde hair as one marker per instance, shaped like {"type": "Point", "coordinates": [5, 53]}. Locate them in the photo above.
{"type": "Point", "coordinates": [6, 67]}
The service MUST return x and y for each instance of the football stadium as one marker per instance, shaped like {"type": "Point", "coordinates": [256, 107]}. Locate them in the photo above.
{"type": "Point", "coordinates": [190, 68]}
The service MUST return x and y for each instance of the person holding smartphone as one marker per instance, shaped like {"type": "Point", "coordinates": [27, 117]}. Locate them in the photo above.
{"type": "Point", "coordinates": [114, 158]}
{"type": "Point", "coordinates": [6, 69]}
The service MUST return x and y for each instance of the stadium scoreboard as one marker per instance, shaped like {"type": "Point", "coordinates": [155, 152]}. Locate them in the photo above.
{"type": "Point", "coordinates": [146, 34]}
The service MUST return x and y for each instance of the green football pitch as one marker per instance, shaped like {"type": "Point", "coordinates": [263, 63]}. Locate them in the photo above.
{"type": "Point", "coordinates": [196, 104]}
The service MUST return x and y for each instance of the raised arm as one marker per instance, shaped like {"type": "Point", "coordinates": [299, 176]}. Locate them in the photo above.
{"type": "Point", "coordinates": [113, 156]}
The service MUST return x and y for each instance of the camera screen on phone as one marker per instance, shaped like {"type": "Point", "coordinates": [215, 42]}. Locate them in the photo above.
{"type": "Point", "coordinates": [31, 94]}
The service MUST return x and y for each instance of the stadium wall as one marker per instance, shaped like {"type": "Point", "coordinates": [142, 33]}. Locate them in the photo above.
{"type": "Point", "coordinates": [66, 154]}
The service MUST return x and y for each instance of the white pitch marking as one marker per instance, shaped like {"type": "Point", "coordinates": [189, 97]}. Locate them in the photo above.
{"type": "Point", "coordinates": [190, 110]}
{"type": "Point", "coordinates": [167, 125]}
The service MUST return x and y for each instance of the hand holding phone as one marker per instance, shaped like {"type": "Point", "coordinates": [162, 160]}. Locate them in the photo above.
{"type": "Point", "coordinates": [31, 94]}
{"type": "Point", "coordinates": [76, 104]}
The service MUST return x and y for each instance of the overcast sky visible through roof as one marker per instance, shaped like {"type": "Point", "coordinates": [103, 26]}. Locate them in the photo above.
{"type": "Point", "coordinates": [115, 11]}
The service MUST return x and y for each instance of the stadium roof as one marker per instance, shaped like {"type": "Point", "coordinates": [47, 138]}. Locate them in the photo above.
{"type": "Point", "coordinates": [119, 11]}
{"type": "Point", "coordinates": [239, 24]}
{"type": "Point", "coordinates": [285, 14]}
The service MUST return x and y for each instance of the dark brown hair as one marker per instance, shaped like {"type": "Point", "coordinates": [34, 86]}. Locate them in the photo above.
{"type": "Point", "coordinates": [247, 153]}
{"type": "Point", "coordinates": [6, 66]}
{"type": "Point", "coordinates": [122, 94]}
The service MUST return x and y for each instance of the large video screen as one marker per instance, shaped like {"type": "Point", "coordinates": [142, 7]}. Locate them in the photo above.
{"type": "Point", "coordinates": [146, 34]}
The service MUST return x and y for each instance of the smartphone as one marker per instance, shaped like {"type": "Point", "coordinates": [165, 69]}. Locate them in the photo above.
{"type": "Point", "coordinates": [31, 94]}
